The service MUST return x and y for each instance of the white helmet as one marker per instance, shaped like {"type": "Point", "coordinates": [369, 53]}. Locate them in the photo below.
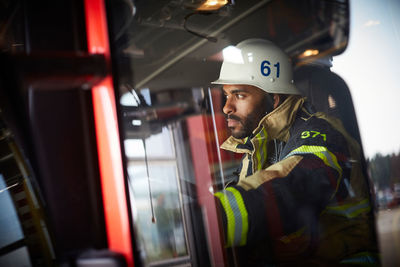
{"type": "Point", "coordinates": [259, 63]}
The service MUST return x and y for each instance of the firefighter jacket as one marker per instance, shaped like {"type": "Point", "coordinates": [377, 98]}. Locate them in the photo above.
{"type": "Point", "coordinates": [301, 192]}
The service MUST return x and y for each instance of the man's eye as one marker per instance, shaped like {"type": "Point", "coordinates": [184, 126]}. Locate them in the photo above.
{"type": "Point", "coordinates": [240, 96]}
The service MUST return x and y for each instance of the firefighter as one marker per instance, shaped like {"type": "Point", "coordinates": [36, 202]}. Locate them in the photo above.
{"type": "Point", "coordinates": [301, 197]}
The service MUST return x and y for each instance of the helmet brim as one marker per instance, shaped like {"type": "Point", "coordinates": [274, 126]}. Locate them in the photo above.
{"type": "Point", "coordinates": [291, 88]}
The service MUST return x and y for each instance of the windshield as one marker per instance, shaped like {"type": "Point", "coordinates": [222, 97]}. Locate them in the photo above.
{"type": "Point", "coordinates": [182, 163]}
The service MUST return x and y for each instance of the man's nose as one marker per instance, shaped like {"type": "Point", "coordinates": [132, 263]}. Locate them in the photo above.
{"type": "Point", "coordinates": [228, 107]}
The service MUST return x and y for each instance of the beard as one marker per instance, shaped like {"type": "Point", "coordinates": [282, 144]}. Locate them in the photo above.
{"type": "Point", "coordinates": [246, 125]}
{"type": "Point", "coordinates": [249, 123]}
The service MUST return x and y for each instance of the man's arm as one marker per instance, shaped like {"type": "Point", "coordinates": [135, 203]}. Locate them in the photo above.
{"type": "Point", "coordinates": [288, 197]}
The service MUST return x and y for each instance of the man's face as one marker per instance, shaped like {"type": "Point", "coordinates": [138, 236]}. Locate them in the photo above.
{"type": "Point", "coordinates": [245, 106]}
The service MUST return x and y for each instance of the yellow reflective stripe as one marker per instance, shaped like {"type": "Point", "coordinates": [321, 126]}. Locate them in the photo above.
{"type": "Point", "coordinates": [264, 147]}
{"type": "Point", "coordinates": [261, 152]}
{"type": "Point", "coordinates": [350, 210]}
{"type": "Point", "coordinates": [243, 217]}
{"type": "Point", "coordinates": [258, 152]}
{"type": "Point", "coordinates": [230, 218]}
{"type": "Point", "coordinates": [320, 151]}
{"type": "Point", "coordinates": [289, 238]}
{"type": "Point", "coordinates": [324, 154]}
{"type": "Point", "coordinates": [236, 215]}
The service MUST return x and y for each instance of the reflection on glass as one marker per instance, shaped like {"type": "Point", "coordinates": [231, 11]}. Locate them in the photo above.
{"type": "Point", "coordinates": [168, 84]}
{"type": "Point", "coordinates": [16, 258]}
{"type": "Point", "coordinates": [10, 230]}
{"type": "Point", "coordinates": [385, 174]}
{"type": "Point", "coordinates": [154, 191]}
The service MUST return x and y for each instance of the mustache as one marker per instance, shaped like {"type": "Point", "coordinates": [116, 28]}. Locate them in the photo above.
{"type": "Point", "coordinates": [233, 117]}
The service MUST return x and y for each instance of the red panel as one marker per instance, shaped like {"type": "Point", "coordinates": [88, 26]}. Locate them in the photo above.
{"type": "Point", "coordinates": [108, 142]}
{"type": "Point", "coordinates": [203, 156]}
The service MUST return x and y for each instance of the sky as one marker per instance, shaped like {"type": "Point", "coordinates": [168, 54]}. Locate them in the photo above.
{"type": "Point", "coordinates": [371, 68]}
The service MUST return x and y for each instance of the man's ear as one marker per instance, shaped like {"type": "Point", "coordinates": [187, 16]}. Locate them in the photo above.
{"type": "Point", "coordinates": [277, 99]}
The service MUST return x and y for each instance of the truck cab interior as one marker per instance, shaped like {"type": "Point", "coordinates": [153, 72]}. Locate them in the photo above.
{"type": "Point", "coordinates": [163, 56]}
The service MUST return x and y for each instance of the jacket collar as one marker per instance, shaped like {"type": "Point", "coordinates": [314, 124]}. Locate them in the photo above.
{"type": "Point", "coordinates": [275, 125]}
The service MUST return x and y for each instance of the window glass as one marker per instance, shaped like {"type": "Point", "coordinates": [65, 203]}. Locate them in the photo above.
{"type": "Point", "coordinates": [10, 231]}
{"type": "Point", "coordinates": [153, 181]}
{"type": "Point", "coordinates": [374, 41]}
{"type": "Point", "coordinates": [24, 239]}
{"type": "Point", "coordinates": [225, 174]}
{"type": "Point", "coordinates": [17, 258]}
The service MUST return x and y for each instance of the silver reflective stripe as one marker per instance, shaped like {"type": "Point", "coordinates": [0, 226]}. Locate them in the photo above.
{"type": "Point", "coordinates": [238, 217]}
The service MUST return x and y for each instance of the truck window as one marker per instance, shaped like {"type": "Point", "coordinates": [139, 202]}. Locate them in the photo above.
{"type": "Point", "coordinates": [173, 121]}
